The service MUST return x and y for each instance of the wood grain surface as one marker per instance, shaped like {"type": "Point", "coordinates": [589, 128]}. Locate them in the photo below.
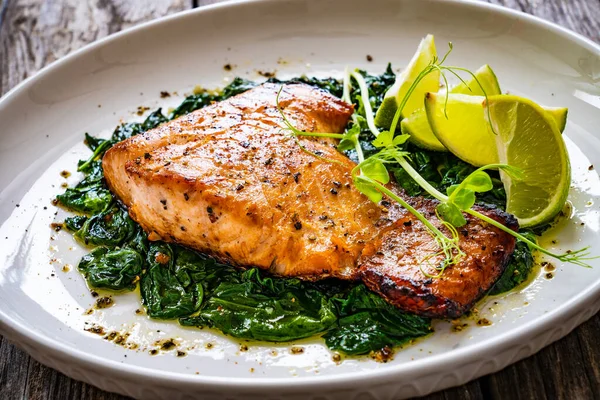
{"type": "Point", "coordinates": [34, 33]}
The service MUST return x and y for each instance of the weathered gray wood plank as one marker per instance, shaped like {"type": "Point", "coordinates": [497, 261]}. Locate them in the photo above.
{"type": "Point", "coordinates": [582, 16]}
{"type": "Point", "coordinates": [34, 33]}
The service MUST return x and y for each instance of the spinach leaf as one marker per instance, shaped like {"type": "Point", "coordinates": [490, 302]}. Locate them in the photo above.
{"type": "Point", "coordinates": [167, 289]}
{"type": "Point", "coordinates": [368, 323]}
{"type": "Point", "coordinates": [90, 195]}
{"type": "Point", "coordinates": [139, 241]}
{"type": "Point", "coordinates": [112, 269]}
{"type": "Point", "coordinates": [330, 85]}
{"type": "Point", "coordinates": [153, 120]}
{"type": "Point", "coordinates": [517, 271]}
{"type": "Point", "coordinates": [111, 227]}
{"type": "Point", "coordinates": [264, 308]}
{"type": "Point", "coordinates": [192, 103]}
{"type": "Point", "coordinates": [237, 86]}
{"type": "Point", "coordinates": [93, 142]}
{"type": "Point", "coordinates": [130, 129]}
{"type": "Point", "coordinates": [125, 131]}
{"type": "Point", "coordinates": [75, 223]}
{"type": "Point", "coordinates": [193, 267]}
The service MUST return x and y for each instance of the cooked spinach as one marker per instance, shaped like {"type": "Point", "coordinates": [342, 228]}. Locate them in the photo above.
{"type": "Point", "coordinates": [192, 103]}
{"type": "Point", "coordinates": [517, 271]}
{"type": "Point", "coordinates": [90, 195]}
{"type": "Point", "coordinates": [265, 308]}
{"type": "Point", "coordinates": [178, 283]}
{"type": "Point", "coordinates": [111, 227]}
{"type": "Point", "coordinates": [167, 289]}
{"type": "Point", "coordinates": [130, 129]}
{"type": "Point", "coordinates": [75, 223]}
{"type": "Point", "coordinates": [368, 323]}
{"type": "Point", "coordinates": [117, 269]}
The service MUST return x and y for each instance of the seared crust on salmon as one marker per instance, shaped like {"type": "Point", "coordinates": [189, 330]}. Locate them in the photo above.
{"type": "Point", "coordinates": [229, 181]}
{"type": "Point", "coordinates": [394, 265]}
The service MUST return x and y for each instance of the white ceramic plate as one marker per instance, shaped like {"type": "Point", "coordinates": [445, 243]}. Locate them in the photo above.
{"type": "Point", "coordinates": [43, 308]}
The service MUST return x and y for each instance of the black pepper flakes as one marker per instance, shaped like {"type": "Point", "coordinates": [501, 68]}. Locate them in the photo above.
{"type": "Point", "coordinates": [384, 355]}
{"type": "Point", "coordinates": [266, 74]}
{"type": "Point", "coordinates": [164, 94]}
{"type": "Point", "coordinates": [333, 191]}
{"type": "Point", "coordinates": [297, 176]}
{"type": "Point", "coordinates": [298, 225]}
{"type": "Point", "coordinates": [104, 302]}
{"type": "Point", "coordinates": [369, 58]}
{"type": "Point", "coordinates": [98, 330]}
{"type": "Point", "coordinates": [186, 196]}
{"type": "Point", "coordinates": [168, 344]}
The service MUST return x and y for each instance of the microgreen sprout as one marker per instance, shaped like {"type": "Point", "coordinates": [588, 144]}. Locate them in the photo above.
{"type": "Point", "coordinates": [295, 132]}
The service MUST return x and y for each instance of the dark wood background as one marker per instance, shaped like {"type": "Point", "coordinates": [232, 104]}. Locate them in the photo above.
{"type": "Point", "coordinates": [34, 33]}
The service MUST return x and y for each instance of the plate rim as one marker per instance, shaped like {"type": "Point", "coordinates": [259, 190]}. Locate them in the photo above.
{"type": "Point", "coordinates": [575, 306]}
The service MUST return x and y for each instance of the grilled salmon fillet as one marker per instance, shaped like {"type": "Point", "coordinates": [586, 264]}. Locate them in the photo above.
{"type": "Point", "coordinates": [229, 181]}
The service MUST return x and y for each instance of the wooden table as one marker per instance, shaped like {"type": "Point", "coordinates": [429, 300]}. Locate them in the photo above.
{"type": "Point", "coordinates": [34, 33]}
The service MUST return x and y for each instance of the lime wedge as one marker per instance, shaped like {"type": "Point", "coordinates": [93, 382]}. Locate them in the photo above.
{"type": "Point", "coordinates": [559, 114]}
{"type": "Point", "coordinates": [486, 77]}
{"type": "Point", "coordinates": [528, 138]}
{"type": "Point", "coordinates": [465, 132]}
{"type": "Point", "coordinates": [425, 54]}
{"type": "Point", "coordinates": [417, 124]}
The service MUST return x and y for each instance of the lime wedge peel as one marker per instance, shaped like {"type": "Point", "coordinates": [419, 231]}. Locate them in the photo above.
{"type": "Point", "coordinates": [465, 132]}
{"type": "Point", "coordinates": [461, 127]}
{"type": "Point", "coordinates": [425, 54]}
{"type": "Point", "coordinates": [559, 114]}
{"type": "Point", "coordinates": [528, 138]}
{"type": "Point", "coordinates": [487, 79]}
{"type": "Point", "coordinates": [417, 124]}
